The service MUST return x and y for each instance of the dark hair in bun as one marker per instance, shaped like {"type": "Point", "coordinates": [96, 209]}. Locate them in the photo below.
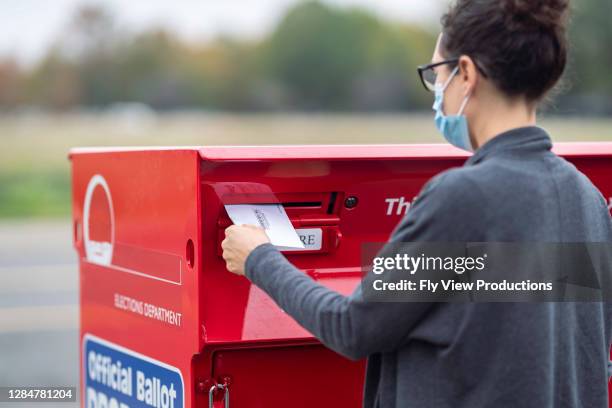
{"type": "Point", "coordinates": [521, 45]}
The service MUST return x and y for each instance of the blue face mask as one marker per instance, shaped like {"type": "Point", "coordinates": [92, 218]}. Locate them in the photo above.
{"type": "Point", "coordinates": [453, 128]}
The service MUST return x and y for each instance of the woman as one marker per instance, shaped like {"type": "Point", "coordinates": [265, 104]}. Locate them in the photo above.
{"type": "Point", "coordinates": [494, 62]}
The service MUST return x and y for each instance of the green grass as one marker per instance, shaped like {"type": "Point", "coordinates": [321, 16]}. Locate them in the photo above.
{"type": "Point", "coordinates": [35, 170]}
{"type": "Point", "coordinates": [27, 193]}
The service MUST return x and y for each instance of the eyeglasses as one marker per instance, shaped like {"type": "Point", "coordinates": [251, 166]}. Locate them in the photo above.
{"type": "Point", "coordinates": [428, 74]}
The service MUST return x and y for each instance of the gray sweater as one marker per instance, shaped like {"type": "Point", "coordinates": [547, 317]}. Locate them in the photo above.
{"type": "Point", "coordinates": [473, 354]}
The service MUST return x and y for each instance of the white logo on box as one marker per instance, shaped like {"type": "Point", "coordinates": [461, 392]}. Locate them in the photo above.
{"type": "Point", "coordinates": [398, 206]}
{"type": "Point", "coordinates": [97, 250]}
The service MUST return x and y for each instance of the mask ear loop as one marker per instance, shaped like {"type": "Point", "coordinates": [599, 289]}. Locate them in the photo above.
{"type": "Point", "coordinates": [450, 78]}
{"type": "Point", "coordinates": [467, 98]}
{"type": "Point", "coordinates": [464, 104]}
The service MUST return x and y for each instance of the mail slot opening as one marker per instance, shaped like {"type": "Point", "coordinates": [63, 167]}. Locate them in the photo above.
{"type": "Point", "coordinates": [328, 205]}
{"type": "Point", "coordinates": [316, 204]}
{"type": "Point", "coordinates": [310, 204]}
{"type": "Point", "coordinates": [295, 203]}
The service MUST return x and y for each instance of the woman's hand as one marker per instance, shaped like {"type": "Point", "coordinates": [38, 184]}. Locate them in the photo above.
{"type": "Point", "coordinates": [239, 241]}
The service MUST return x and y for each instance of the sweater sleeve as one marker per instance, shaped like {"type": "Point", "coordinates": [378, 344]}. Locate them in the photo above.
{"type": "Point", "coordinates": [349, 325]}
{"type": "Point", "coordinates": [346, 324]}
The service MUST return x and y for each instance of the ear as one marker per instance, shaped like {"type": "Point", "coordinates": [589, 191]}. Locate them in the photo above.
{"type": "Point", "coordinates": [468, 73]}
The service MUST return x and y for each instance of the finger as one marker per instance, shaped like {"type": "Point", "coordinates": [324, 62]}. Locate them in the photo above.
{"type": "Point", "coordinates": [251, 226]}
{"type": "Point", "coordinates": [231, 229]}
{"type": "Point", "coordinates": [227, 253]}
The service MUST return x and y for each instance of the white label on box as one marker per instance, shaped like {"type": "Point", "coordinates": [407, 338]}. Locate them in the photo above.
{"type": "Point", "coordinates": [312, 238]}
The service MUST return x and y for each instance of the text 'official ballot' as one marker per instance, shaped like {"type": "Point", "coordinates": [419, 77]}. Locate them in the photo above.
{"type": "Point", "coordinates": [271, 217]}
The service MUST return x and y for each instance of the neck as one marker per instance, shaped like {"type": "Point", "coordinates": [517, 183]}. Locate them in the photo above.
{"type": "Point", "coordinates": [501, 116]}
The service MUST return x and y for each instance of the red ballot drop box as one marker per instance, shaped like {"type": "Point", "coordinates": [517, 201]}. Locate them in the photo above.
{"type": "Point", "coordinates": [163, 324]}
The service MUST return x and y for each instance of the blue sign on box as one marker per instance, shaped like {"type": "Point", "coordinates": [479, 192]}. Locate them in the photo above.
{"type": "Point", "coordinates": [116, 377]}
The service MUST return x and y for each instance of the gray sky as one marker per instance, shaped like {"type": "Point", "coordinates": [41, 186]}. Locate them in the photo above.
{"type": "Point", "coordinates": [30, 26]}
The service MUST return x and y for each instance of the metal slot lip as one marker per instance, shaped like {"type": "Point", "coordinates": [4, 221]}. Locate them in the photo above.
{"type": "Point", "coordinates": [312, 204]}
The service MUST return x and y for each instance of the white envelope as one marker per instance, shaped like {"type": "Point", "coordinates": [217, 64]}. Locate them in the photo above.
{"type": "Point", "coordinates": [271, 217]}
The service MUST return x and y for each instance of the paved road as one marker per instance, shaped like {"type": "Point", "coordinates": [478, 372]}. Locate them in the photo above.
{"type": "Point", "coordinates": [38, 305]}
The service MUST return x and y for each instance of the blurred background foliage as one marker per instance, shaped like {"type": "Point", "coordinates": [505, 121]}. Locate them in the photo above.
{"type": "Point", "coordinates": [318, 58]}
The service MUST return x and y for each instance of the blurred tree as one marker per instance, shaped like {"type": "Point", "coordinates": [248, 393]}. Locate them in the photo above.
{"type": "Point", "coordinates": [55, 83]}
{"type": "Point", "coordinates": [11, 85]}
{"type": "Point", "coordinates": [319, 57]}
{"type": "Point", "coordinates": [229, 72]}
{"type": "Point", "coordinates": [588, 78]}
{"type": "Point", "coordinates": [317, 52]}
{"type": "Point", "coordinates": [389, 80]}
{"type": "Point", "coordinates": [150, 69]}
{"type": "Point", "coordinates": [77, 69]}
{"type": "Point", "coordinates": [332, 58]}
{"type": "Point", "coordinates": [90, 41]}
